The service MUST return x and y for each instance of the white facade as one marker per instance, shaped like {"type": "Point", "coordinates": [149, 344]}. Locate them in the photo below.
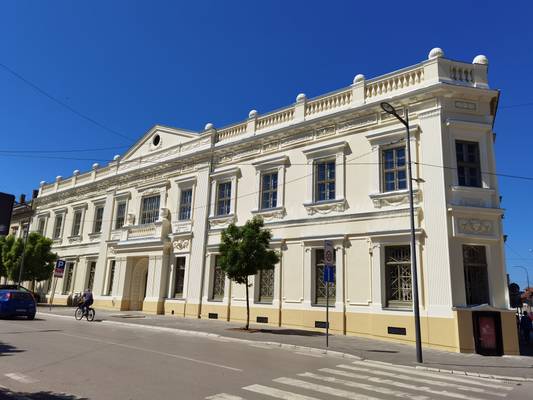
{"type": "Point", "coordinates": [329, 168]}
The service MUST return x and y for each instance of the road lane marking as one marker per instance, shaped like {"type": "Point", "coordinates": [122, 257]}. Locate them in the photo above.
{"type": "Point", "coordinates": [308, 354]}
{"type": "Point", "coordinates": [364, 386]}
{"type": "Point", "coordinates": [408, 378]}
{"type": "Point", "coordinates": [223, 396]}
{"type": "Point", "coordinates": [277, 393]}
{"type": "Point", "coordinates": [447, 377]}
{"type": "Point", "coordinates": [127, 346]}
{"type": "Point", "coordinates": [324, 389]}
{"type": "Point", "coordinates": [21, 377]}
{"type": "Point", "coordinates": [426, 389]}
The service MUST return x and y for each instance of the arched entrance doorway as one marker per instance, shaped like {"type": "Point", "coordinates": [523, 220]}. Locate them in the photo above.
{"type": "Point", "coordinates": [138, 284]}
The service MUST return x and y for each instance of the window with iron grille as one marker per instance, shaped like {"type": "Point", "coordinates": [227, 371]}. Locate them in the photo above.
{"type": "Point", "coordinates": [92, 270]}
{"type": "Point", "coordinates": [40, 228]}
{"type": "Point", "coordinates": [223, 206]}
{"type": "Point", "coordinates": [179, 277]}
{"type": "Point", "coordinates": [398, 276]}
{"type": "Point", "coordinates": [111, 277]}
{"type": "Point", "coordinates": [185, 204]}
{"type": "Point", "coordinates": [219, 281]}
{"type": "Point", "coordinates": [150, 209]}
{"type": "Point", "coordinates": [266, 285]}
{"type": "Point", "coordinates": [269, 190]}
{"type": "Point", "coordinates": [476, 275]}
{"type": "Point", "coordinates": [69, 270]}
{"type": "Point", "coordinates": [58, 225]}
{"type": "Point", "coordinates": [76, 225]}
{"type": "Point", "coordinates": [468, 164]}
{"type": "Point", "coordinates": [320, 285]}
{"type": "Point", "coordinates": [394, 169]}
{"type": "Point", "coordinates": [121, 215]}
{"type": "Point", "coordinates": [98, 217]}
{"type": "Point", "coordinates": [324, 180]}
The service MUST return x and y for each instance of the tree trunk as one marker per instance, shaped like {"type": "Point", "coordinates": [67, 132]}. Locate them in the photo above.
{"type": "Point", "coordinates": [247, 307]}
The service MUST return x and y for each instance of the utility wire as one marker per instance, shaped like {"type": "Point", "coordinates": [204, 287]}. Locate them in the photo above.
{"type": "Point", "coordinates": [62, 151]}
{"type": "Point", "coordinates": [63, 104]}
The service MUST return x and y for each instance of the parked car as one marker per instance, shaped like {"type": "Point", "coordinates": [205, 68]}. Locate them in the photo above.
{"type": "Point", "coordinates": [36, 296]}
{"type": "Point", "coordinates": [17, 303]}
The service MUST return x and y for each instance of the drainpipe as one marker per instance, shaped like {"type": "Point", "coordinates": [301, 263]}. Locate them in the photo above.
{"type": "Point", "coordinates": [345, 239]}
{"type": "Point", "coordinates": [280, 280]}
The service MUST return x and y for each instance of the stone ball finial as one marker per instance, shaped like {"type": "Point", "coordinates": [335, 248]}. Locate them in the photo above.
{"type": "Point", "coordinates": [480, 59]}
{"type": "Point", "coordinates": [117, 157]}
{"type": "Point", "coordinates": [42, 183]}
{"type": "Point", "coordinates": [76, 172]}
{"type": "Point", "coordinates": [301, 97]}
{"type": "Point", "coordinates": [208, 126]}
{"type": "Point", "coordinates": [435, 52]}
{"type": "Point", "coordinates": [58, 178]}
{"type": "Point", "coordinates": [96, 166]}
{"type": "Point", "coordinates": [358, 78]}
{"type": "Point", "coordinates": [252, 114]}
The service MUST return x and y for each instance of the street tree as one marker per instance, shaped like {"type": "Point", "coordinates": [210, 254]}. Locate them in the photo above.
{"type": "Point", "coordinates": [244, 251]}
{"type": "Point", "coordinates": [38, 258]}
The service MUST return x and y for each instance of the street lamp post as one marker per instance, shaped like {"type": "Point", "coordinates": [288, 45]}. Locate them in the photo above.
{"type": "Point", "coordinates": [389, 109]}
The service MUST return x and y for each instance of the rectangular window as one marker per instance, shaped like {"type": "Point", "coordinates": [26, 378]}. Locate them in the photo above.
{"type": "Point", "coordinates": [92, 270]}
{"type": "Point", "coordinates": [185, 204]}
{"type": "Point", "coordinates": [223, 204]}
{"type": "Point", "coordinates": [320, 284]}
{"type": "Point", "coordinates": [109, 290]}
{"type": "Point", "coordinates": [476, 275]}
{"type": "Point", "coordinates": [58, 225]}
{"type": "Point", "coordinates": [398, 276]}
{"type": "Point", "coordinates": [394, 169]}
{"type": "Point", "coordinates": [325, 180]}
{"type": "Point", "coordinates": [269, 190]}
{"type": "Point", "coordinates": [179, 277]}
{"type": "Point", "coordinates": [40, 228]}
{"type": "Point", "coordinates": [150, 209]}
{"type": "Point", "coordinates": [98, 217]}
{"type": "Point", "coordinates": [76, 225]}
{"type": "Point", "coordinates": [219, 281]}
{"type": "Point", "coordinates": [266, 285]}
{"type": "Point", "coordinates": [468, 164]}
{"type": "Point", "coordinates": [121, 215]}
{"type": "Point", "coordinates": [69, 271]}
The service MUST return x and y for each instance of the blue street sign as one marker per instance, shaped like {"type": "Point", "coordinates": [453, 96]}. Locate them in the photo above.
{"type": "Point", "coordinates": [329, 274]}
{"type": "Point", "coordinates": [59, 270]}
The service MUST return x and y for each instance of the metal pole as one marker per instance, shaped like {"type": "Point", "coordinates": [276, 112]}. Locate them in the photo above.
{"type": "Point", "coordinates": [413, 245]}
{"type": "Point", "coordinates": [327, 309]}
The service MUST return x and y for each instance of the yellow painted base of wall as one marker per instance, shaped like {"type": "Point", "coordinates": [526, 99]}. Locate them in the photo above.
{"type": "Point", "coordinates": [153, 307]}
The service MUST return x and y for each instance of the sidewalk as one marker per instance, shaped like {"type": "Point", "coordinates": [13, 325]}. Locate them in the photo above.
{"type": "Point", "coordinates": [376, 350]}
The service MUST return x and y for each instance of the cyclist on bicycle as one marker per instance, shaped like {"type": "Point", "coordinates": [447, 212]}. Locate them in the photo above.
{"type": "Point", "coordinates": [87, 301]}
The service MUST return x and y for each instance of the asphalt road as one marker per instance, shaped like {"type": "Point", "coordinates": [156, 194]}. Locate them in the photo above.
{"type": "Point", "coordinates": [60, 358]}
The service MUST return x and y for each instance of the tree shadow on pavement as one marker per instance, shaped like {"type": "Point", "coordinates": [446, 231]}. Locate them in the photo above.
{"type": "Point", "coordinates": [7, 349]}
{"type": "Point", "coordinates": [292, 332]}
{"type": "Point", "coordinates": [6, 394]}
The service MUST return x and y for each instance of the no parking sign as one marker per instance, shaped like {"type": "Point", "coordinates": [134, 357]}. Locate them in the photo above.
{"type": "Point", "coordinates": [328, 261]}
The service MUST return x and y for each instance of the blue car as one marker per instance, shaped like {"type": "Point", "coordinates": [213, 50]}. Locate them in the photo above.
{"type": "Point", "coordinates": [15, 303]}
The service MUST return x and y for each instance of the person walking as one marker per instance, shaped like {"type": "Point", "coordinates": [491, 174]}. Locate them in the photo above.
{"type": "Point", "coordinates": [525, 327]}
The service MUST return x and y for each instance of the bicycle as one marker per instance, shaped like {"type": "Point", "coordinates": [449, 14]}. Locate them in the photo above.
{"type": "Point", "coordinates": [79, 314]}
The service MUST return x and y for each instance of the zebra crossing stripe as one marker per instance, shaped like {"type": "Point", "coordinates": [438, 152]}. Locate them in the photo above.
{"type": "Point", "coordinates": [324, 389]}
{"type": "Point", "coordinates": [277, 393]}
{"type": "Point", "coordinates": [453, 378]}
{"type": "Point", "coordinates": [391, 382]}
{"type": "Point", "coordinates": [364, 386]}
{"type": "Point", "coordinates": [223, 396]}
{"type": "Point", "coordinates": [417, 379]}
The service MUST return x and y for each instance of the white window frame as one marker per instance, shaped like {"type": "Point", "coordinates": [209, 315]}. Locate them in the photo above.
{"type": "Point", "coordinates": [330, 151]}
{"type": "Point", "coordinates": [172, 280]}
{"type": "Point", "coordinates": [83, 209]}
{"type": "Point", "coordinates": [229, 175]}
{"type": "Point", "coordinates": [96, 206]}
{"type": "Point", "coordinates": [270, 165]}
{"type": "Point", "coordinates": [63, 213]}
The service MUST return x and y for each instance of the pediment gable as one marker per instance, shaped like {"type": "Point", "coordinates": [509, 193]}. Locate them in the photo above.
{"type": "Point", "coordinates": [158, 138]}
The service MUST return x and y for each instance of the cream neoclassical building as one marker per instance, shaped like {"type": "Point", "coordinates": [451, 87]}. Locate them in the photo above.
{"type": "Point", "coordinates": [144, 230]}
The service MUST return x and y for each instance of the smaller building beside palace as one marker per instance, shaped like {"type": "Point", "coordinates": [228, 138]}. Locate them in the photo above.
{"type": "Point", "coordinates": [143, 231]}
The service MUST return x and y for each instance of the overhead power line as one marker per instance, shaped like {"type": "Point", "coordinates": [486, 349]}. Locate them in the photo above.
{"type": "Point", "coordinates": [63, 104]}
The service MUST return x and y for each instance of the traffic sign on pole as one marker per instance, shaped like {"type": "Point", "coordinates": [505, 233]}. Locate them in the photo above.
{"type": "Point", "coordinates": [59, 270]}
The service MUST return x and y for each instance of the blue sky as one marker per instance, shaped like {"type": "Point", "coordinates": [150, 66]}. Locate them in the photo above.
{"type": "Point", "coordinates": [129, 65]}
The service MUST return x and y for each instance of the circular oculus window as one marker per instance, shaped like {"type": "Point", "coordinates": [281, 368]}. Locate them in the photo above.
{"type": "Point", "coordinates": [156, 140]}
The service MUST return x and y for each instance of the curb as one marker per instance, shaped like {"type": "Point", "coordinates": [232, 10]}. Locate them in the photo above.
{"type": "Point", "coordinates": [293, 347]}
{"type": "Point", "coordinates": [216, 336]}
